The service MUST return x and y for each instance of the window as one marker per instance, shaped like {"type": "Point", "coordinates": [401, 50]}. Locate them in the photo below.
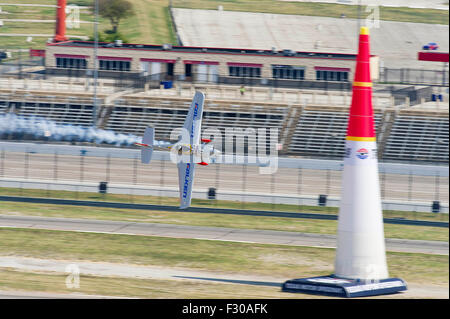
{"type": "Point", "coordinates": [244, 71]}
{"type": "Point", "coordinates": [288, 72]}
{"type": "Point", "coordinates": [112, 65]}
{"type": "Point", "coordinates": [331, 76]}
{"type": "Point", "coordinates": [71, 63]}
{"type": "Point", "coordinates": [170, 69]}
{"type": "Point", "coordinates": [188, 69]}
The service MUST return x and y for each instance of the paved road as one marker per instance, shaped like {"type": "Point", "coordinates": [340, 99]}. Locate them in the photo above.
{"type": "Point", "coordinates": [210, 233]}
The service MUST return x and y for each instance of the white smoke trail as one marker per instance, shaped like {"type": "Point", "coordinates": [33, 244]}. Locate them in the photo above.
{"type": "Point", "coordinates": [42, 128]}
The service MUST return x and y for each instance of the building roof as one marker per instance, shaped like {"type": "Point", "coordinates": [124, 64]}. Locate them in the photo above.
{"type": "Point", "coordinates": [206, 50]}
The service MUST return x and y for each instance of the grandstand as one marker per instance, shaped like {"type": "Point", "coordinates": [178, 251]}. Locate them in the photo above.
{"type": "Point", "coordinates": [62, 110]}
{"type": "Point", "coordinates": [418, 136]}
{"type": "Point", "coordinates": [133, 115]}
{"type": "Point", "coordinates": [396, 43]}
{"type": "Point", "coordinates": [309, 130]}
{"type": "Point", "coordinates": [4, 104]}
{"type": "Point", "coordinates": [321, 132]}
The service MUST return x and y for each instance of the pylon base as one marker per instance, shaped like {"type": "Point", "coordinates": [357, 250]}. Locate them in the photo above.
{"type": "Point", "coordinates": [348, 288]}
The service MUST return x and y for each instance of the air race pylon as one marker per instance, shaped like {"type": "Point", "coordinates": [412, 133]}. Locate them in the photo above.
{"type": "Point", "coordinates": [360, 248]}
{"type": "Point", "coordinates": [360, 265]}
{"type": "Point", "coordinates": [60, 28]}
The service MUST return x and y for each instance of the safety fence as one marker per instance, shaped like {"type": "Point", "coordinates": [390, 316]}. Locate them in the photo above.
{"type": "Point", "coordinates": [303, 184]}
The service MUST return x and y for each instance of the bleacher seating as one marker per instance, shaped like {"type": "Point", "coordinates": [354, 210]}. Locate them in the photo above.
{"type": "Point", "coordinates": [62, 111]}
{"type": "Point", "coordinates": [129, 118]}
{"type": "Point", "coordinates": [321, 133]}
{"type": "Point", "coordinates": [418, 138]}
{"type": "Point", "coordinates": [133, 119]}
{"type": "Point", "coordinates": [315, 131]}
{"type": "Point", "coordinates": [4, 105]}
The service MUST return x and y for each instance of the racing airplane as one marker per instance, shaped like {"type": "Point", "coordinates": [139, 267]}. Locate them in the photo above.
{"type": "Point", "coordinates": [190, 149]}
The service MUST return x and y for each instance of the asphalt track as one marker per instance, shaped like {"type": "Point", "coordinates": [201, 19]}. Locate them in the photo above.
{"type": "Point", "coordinates": [54, 201]}
{"type": "Point", "coordinates": [210, 233]}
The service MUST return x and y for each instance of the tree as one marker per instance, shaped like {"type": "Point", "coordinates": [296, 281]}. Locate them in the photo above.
{"type": "Point", "coordinates": [115, 10]}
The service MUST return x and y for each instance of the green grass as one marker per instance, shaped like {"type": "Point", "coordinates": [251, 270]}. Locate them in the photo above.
{"type": "Point", "coordinates": [212, 220]}
{"type": "Point", "coordinates": [317, 9]}
{"type": "Point", "coordinates": [136, 288]}
{"type": "Point", "coordinates": [149, 24]}
{"type": "Point", "coordinates": [173, 201]}
{"type": "Point", "coordinates": [33, 13]}
{"type": "Point", "coordinates": [276, 261]}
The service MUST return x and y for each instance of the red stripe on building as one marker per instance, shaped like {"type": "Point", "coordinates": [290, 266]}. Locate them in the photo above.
{"type": "Point", "coordinates": [36, 52]}
{"type": "Point", "coordinates": [327, 68]}
{"type": "Point", "coordinates": [113, 58]}
{"type": "Point", "coordinates": [433, 56]}
{"type": "Point", "coordinates": [201, 62]}
{"type": "Point", "coordinates": [158, 60]}
{"type": "Point", "coordinates": [250, 65]}
{"type": "Point", "coordinates": [72, 56]}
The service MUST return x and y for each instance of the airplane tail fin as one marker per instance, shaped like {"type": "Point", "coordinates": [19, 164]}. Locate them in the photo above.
{"type": "Point", "coordinates": [147, 145]}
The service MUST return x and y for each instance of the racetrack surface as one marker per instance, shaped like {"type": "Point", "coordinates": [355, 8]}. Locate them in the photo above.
{"type": "Point", "coordinates": [210, 233]}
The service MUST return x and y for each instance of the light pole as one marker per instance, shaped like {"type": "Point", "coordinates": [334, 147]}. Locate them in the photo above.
{"type": "Point", "coordinates": [95, 109]}
{"type": "Point", "coordinates": [20, 63]}
{"type": "Point", "coordinates": [359, 18]}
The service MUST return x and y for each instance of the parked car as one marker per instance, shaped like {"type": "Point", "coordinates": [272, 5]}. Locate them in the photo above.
{"type": "Point", "coordinates": [430, 46]}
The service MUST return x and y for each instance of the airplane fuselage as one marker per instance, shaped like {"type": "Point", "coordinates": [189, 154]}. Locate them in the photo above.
{"type": "Point", "coordinates": [204, 153]}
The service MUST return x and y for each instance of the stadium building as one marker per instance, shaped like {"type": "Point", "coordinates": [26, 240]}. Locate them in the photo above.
{"type": "Point", "coordinates": [198, 64]}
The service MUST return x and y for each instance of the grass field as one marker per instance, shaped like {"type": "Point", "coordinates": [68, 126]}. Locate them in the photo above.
{"type": "Point", "coordinates": [173, 201]}
{"type": "Point", "coordinates": [13, 43]}
{"type": "Point", "coordinates": [135, 288]}
{"type": "Point", "coordinates": [213, 220]}
{"type": "Point", "coordinates": [151, 23]}
{"type": "Point", "coordinates": [317, 9]}
{"type": "Point", "coordinates": [277, 261]}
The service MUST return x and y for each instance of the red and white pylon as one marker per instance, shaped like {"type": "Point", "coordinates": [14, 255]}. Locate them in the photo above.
{"type": "Point", "coordinates": [60, 30]}
{"type": "Point", "coordinates": [361, 250]}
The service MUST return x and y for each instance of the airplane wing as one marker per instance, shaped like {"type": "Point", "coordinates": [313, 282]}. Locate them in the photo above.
{"type": "Point", "coordinates": [186, 181]}
{"type": "Point", "coordinates": [186, 167]}
{"type": "Point", "coordinates": [147, 143]}
{"type": "Point", "coordinates": [193, 122]}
